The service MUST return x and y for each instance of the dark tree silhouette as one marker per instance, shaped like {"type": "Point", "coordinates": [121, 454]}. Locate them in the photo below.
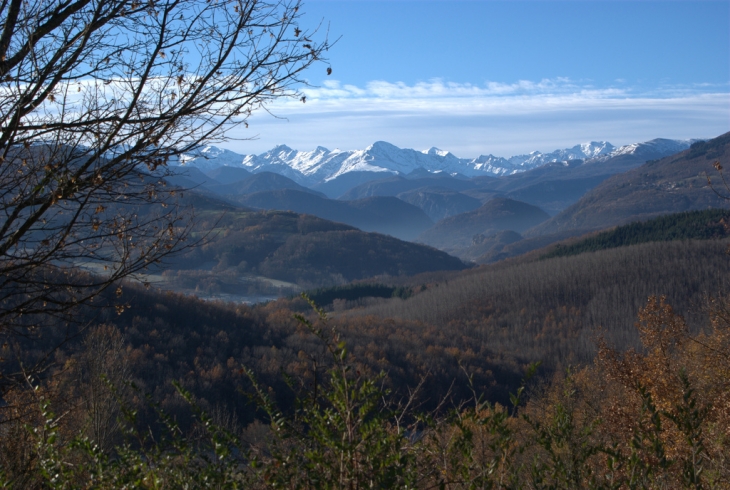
{"type": "Point", "coordinates": [96, 98]}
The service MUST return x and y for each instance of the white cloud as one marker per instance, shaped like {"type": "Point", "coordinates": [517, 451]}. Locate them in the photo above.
{"type": "Point", "coordinates": [437, 88]}
{"type": "Point", "coordinates": [499, 118]}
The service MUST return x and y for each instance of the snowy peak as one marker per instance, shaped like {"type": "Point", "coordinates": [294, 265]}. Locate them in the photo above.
{"type": "Point", "coordinates": [382, 147]}
{"type": "Point", "coordinates": [584, 151]}
{"type": "Point", "coordinates": [493, 165]}
{"type": "Point", "coordinates": [281, 148]}
{"type": "Point", "coordinates": [211, 157]}
{"type": "Point", "coordinates": [436, 152]}
{"type": "Point", "coordinates": [280, 152]}
{"type": "Point", "coordinates": [596, 148]}
{"type": "Point", "coordinates": [322, 165]}
{"type": "Point", "coordinates": [385, 157]}
{"type": "Point", "coordinates": [661, 146]}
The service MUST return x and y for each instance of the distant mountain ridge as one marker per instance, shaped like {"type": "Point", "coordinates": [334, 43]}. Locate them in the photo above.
{"type": "Point", "coordinates": [673, 184]}
{"type": "Point", "coordinates": [382, 214]}
{"type": "Point", "coordinates": [499, 214]}
{"type": "Point", "coordinates": [406, 198]}
{"type": "Point", "coordinates": [292, 247]}
{"type": "Point", "coordinates": [321, 165]}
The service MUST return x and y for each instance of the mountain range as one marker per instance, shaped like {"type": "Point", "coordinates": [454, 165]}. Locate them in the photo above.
{"type": "Point", "coordinates": [384, 214]}
{"type": "Point", "coordinates": [672, 184]}
{"type": "Point", "coordinates": [498, 214]}
{"type": "Point", "coordinates": [461, 206]}
{"type": "Point", "coordinates": [321, 166]}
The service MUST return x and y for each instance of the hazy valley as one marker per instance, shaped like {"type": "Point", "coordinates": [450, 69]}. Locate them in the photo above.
{"type": "Point", "coordinates": [473, 315]}
{"type": "Point", "coordinates": [433, 278]}
{"type": "Point", "coordinates": [483, 218]}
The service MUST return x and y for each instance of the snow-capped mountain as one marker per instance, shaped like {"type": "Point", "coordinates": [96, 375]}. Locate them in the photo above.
{"type": "Point", "coordinates": [661, 146]}
{"type": "Point", "coordinates": [583, 151]}
{"type": "Point", "coordinates": [494, 165]}
{"type": "Point", "coordinates": [211, 157]}
{"type": "Point", "coordinates": [322, 165]}
{"type": "Point", "coordinates": [520, 163]}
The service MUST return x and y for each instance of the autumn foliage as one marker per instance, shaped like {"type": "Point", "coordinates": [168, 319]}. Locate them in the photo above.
{"type": "Point", "coordinates": [654, 417]}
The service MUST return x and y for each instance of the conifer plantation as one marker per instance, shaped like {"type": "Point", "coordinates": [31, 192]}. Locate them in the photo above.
{"type": "Point", "coordinates": [593, 357]}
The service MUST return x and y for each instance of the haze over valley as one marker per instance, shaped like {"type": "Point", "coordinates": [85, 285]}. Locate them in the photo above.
{"type": "Point", "coordinates": [364, 244]}
{"type": "Point", "coordinates": [479, 212]}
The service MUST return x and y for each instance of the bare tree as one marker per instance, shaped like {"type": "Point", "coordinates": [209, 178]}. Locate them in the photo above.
{"type": "Point", "coordinates": [101, 368]}
{"type": "Point", "coordinates": [96, 97]}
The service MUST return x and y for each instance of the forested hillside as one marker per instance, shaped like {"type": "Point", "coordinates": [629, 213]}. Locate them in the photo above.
{"type": "Point", "coordinates": [673, 184]}
{"type": "Point", "coordinates": [152, 334]}
{"type": "Point", "coordinates": [551, 310]}
{"type": "Point", "coordinates": [301, 249]}
{"type": "Point", "coordinates": [555, 186]}
{"type": "Point", "coordinates": [492, 321]}
{"type": "Point", "coordinates": [260, 182]}
{"type": "Point", "coordinates": [697, 225]}
{"type": "Point", "coordinates": [394, 185]}
{"type": "Point", "coordinates": [475, 332]}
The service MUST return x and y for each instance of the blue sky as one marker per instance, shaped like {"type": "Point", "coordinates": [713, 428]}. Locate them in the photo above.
{"type": "Point", "coordinates": [478, 77]}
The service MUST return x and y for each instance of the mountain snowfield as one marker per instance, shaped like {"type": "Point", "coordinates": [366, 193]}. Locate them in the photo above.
{"type": "Point", "coordinates": [322, 165]}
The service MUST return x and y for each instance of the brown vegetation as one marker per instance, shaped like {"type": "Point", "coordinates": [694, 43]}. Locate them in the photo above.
{"type": "Point", "coordinates": [305, 249]}
{"type": "Point", "coordinates": [652, 418]}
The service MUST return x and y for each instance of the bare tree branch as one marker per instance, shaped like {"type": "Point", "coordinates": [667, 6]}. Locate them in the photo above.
{"type": "Point", "coordinates": [96, 98]}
